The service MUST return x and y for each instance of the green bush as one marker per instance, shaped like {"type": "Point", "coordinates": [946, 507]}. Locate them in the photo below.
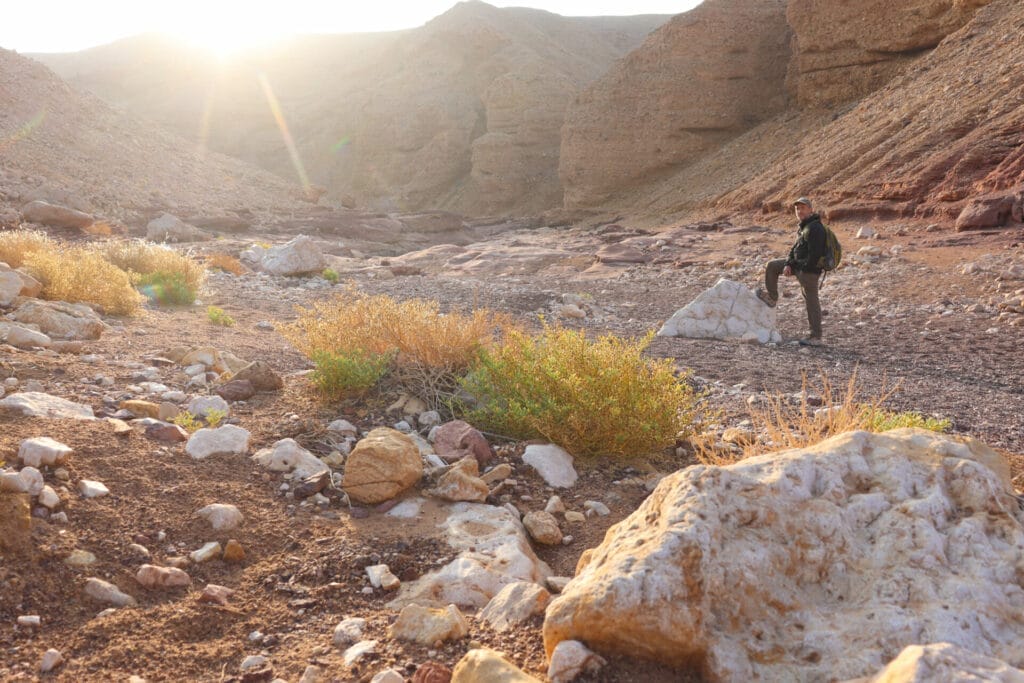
{"type": "Point", "coordinates": [217, 316]}
{"type": "Point", "coordinates": [878, 420]}
{"type": "Point", "coordinates": [590, 397]}
{"type": "Point", "coordinates": [342, 375]}
{"type": "Point", "coordinates": [330, 275]}
{"type": "Point", "coordinates": [166, 287]}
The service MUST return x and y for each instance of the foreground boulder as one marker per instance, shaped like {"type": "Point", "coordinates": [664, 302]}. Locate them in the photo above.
{"type": "Point", "coordinates": [478, 666]}
{"type": "Point", "coordinates": [809, 564]}
{"type": "Point", "coordinates": [61, 320]}
{"type": "Point", "coordinates": [298, 256]}
{"type": "Point", "coordinates": [728, 310]}
{"type": "Point", "coordinates": [383, 464]}
{"type": "Point", "coordinates": [943, 662]}
{"type": "Point", "coordinates": [38, 404]}
{"type": "Point", "coordinates": [14, 283]}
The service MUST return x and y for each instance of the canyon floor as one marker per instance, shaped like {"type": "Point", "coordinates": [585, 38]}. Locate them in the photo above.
{"type": "Point", "coordinates": [929, 311]}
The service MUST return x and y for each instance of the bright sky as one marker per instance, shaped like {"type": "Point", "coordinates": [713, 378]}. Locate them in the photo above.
{"type": "Point", "coordinates": [68, 25]}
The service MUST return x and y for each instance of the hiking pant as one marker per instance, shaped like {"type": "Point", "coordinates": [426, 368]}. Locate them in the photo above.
{"type": "Point", "coordinates": [808, 287]}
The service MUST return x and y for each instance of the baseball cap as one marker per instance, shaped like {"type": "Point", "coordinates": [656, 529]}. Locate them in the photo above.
{"type": "Point", "coordinates": [803, 200]}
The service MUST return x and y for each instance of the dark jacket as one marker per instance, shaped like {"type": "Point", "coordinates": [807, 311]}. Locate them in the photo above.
{"type": "Point", "coordinates": [807, 254]}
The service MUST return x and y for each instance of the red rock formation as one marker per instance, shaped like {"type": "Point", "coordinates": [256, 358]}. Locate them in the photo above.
{"type": "Point", "coordinates": [698, 81]}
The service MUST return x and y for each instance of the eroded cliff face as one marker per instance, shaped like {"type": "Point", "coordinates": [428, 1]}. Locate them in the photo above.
{"type": "Point", "coordinates": [700, 80]}
{"type": "Point", "coordinates": [844, 50]}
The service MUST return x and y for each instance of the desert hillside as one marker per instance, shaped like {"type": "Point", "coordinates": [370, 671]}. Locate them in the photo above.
{"type": "Point", "coordinates": [463, 113]}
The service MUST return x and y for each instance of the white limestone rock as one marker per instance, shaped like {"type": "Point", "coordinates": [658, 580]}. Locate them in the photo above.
{"type": "Point", "coordinates": [221, 517]}
{"type": "Point", "coordinates": [43, 450]}
{"type": "Point", "coordinates": [107, 593]}
{"type": "Point", "coordinates": [553, 464]}
{"type": "Point", "coordinates": [39, 404]}
{"type": "Point", "coordinates": [810, 564]}
{"type": "Point", "coordinates": [226, 440]}
{"type": "Point", "coordinates": [570, 660]}
{"type": "Point", "coordinates": [427, 626]}
{"type": "Point", "coordinates": [298, 256]}
{"type": "Point", "coordinates": [288, 456]}
{"type": "Point", "coordinates": [516, 603]}
{"type": "Point", "coordinates": [31, 481]}
{"type": "Point", "coordinates": [51, 659]}
{"type": "Point", "coordinates": [349, 631]}
{"type": "Point", "coordinates": [61, 320]}
{"type": "Point", "coordinates": [201, 406]}
{"type": "Point", "coordinates": [93, 489]}
{"type": "Point", "coordinates": [24, 338]}
{"type": "Point", "coordinates": [729, 310]}
{"type": "Point", "coordinates": [946, 663]}
{"type": "Point", "coordinates": [492, 552]}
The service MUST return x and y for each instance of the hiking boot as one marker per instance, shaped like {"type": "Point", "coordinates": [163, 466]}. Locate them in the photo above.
{"type": "Point", "coordinates": [811, 341]}
{"type": "Point", "coordinates": [766, 298]}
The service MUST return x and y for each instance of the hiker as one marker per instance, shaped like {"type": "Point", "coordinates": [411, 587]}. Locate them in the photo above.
{"type": "Point", "coordinates": [804, 263]}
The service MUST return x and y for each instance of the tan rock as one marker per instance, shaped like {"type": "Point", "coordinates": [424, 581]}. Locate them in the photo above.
{"type": "Point", "coordinates": [152, 576]}
{"type": "Point", "coordinates": [461, 483]}
{"type": "Point", "coordinates": [944, 662]}
{"type": "Point", "coordinates": [234, 552]}
{"type": "Point", "coordinates": [140, 408]}
{"type": "Point", "coordinates": [570, 660]}
{"type": "Point", "coordinates": [516, 603]}
{"type": "Point", "coordinates": [428, 626]}
{"type": "Point", "coordinates": [456, 439]}
{"type": "Point", "coordinates": [488, 666]}
{"type": "Point", "coordinates": [218, 595]}
{"type": "Point", "coordinates": [382, 465]}
{"type": "Point", "coordinates": [55, 216]}
{"type": "Point", "coordinates": [60, 320]}
{"type": "Point", "coordinates": [261, 376]}
{"type": "Point", "coordinates": [543, 527]}
{"type": "Point", "coordinates": [864, 541]}
{"type": "Point", "coordinates": [497, 473]}
{"type": "Point", "coordinates": [738, 436]}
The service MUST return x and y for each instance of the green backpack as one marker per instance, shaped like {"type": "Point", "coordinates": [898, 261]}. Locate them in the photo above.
{"type": "Point", "coordinates": [833, 251]}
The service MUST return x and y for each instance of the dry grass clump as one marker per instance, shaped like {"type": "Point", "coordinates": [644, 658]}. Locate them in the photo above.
{"type": "Point", "coordinates": [361, 338]}
{"type": "Point", "coordinates": [163, 274]}
{"type": "Point", "coordinates": [16, 245]}
{"type": "Point", "coordinates": [81, 274]}
{"type": "Point", "coordinates": [226, 263]}
{"type": "Point", "coordinates": [785, 425]}
{"type": "Point", "coordinates": [590, 396]}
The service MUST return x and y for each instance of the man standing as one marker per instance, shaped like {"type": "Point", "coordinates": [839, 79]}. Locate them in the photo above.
{"type": "Point", "coordinates": [805, 262]}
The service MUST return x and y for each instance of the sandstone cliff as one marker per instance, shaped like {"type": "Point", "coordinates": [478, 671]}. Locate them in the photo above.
{"type": "Point", "coordinates": [697, 82]}
{"type": "Point", "coordinates": [463, 113]}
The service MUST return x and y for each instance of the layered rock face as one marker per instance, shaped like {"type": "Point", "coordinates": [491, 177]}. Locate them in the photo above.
{"type": "Point", "coordinates": [814, 564]}
{"type": "Point", "coordinates": [845, 50]}
{"type": "Point", "coordinates": [698, 81]}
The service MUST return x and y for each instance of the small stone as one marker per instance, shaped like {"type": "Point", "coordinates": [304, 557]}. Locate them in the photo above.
{"type": "Point", "coordinates": [389, 676]}
{"type": "Point", "coordinates": [543, 527]}
{"type": "Point", "coordinates": [206, 553]}
{"type": "Point", "coordinates": [572, 659]}
{"type": "Point", "coordinates": [343, 428]}
{"type": "Point", "coordinates": [312, 673]}
{"type": "Point", "coordinates": [596, 507]}
{"type": "Point", "coordinates": [24, 338]}
{"type": "Point", "coordinates": [31, 481]}
{"type": "Point", "coordinates": [261, 375]}
{"type": "Point", "coordinates": [153, 576]}
{"type": "Point", "coordinates": [139, 550]}
{"type": "Point", "coordinates": [226, 440]}
{"type": "Point", "coordinates": [166, 432]}
{"type": "Point", "coordinates": [43, 451]}
{"type": "Point", "coordinates": [461, 483]}
{"type": "Point", "coordinates": [102, 591]}
{"type": "Point", "coordinates": [236, 390]}
{"type": "Point", "coordinates": [51, 660]}
{"type": "Point", "coordinates": [554, 506]}
{"type": "Point", "coordinates": [376, 574]}
{"type": "Point", "coordinates": [356, 652]}
{"type": "Point", "coordinates": [202, 406]}
{"type": "Point", "coordinates": [233, 551]}
{"type": "Point", "coordinates": [497, 473]}
{"type": "Point", "coordinates": [48, 498]}
{"type": "Point", "coordinates": [221, 517]}
{"type": "Point", "coordinates": [168, 411]}
{"type": "Point", "coordinates": [429, 418]}
{"type": "Point", "coordinates": [141, 408]}
{"type": "Point", "coordinates": [556, 584]}
{"type": "Point", "coordinates": [553, 464]}
{"type": "Point", "coordinates": [215, 594]}
{"type": "Point", "coordinates": [514, 604]}
{"type": "Point", "coordinates": [484, 666]}
{"type": "Point", "coordinates": [349, 631]}
{"type": "Point", "coordinates": [30, 621]}
{"type": "Point", "coordinates": [575, 517]}
{"type": "Point", "coordinates": [253, 662]}
{"type": "Point", "coordinates": [92, 489]}
{"type": "Point", "coordinates": [427, 626]}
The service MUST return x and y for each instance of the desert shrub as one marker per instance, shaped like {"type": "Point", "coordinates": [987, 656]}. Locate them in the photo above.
{"type": "Point", "coordinates": [187, 421]}
{"type": "Point", "coordinates": [784, 424]}
{"type": "Point", "coordinates": [330, 275]}
{"type": "Point", "coordinates": [349, 374]}
{"type": "Point", "coordinates": [214, 417]}
{"type": "Point", "coordinates": [16, 245]}
{"type": "Point", "coordinates": [428, 350]}
{"type": "Point", "coordinates": [589, 396]}
{"type": "Point", "coordinates": [163, 274]}
{"type": "Point", "coordinates": [79, 274]}
{"type": "Point", "coordinates": [226, 263]}
{"type": "Point", "coordinates": [166, 288]}
{"type": "Point", "coordinates": [217, 316]}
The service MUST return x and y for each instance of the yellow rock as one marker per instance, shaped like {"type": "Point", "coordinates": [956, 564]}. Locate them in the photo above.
{"type": "Point", "coordinates": [427, 626]}
{"type": "Point", "coordinates": [234, 552]}
{"type": "Point", "coordinates": [141, 408]}
{"type": "Point", "coordinates": [383, 464]}
{"type": "Point", "coordinates": [488, 666]}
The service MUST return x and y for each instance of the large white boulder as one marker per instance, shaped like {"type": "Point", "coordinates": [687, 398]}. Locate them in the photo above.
{"type": "Point", "coordinates": [298, 256]}
{"type": "Point", "coordinates": [39, 404]}
{"type": "Point", "coordinates": [60, 320]}
{"type": "Point", "coordinates": [226, 440]}
{"type": "Point", "coordinates": [42, 450]}
{"type": "Point", "coordinates": [728, 310]}
{"type": "Point", "coordinates": [812, 564]}
{"type": "Point", "coordinates": [492, 552]}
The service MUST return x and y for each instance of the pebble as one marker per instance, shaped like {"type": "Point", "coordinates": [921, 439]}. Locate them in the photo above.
{"type": "Point", "coordinates": [389, 676]}
{"type": "Point", "coordinates": [554, 505]}
{"type": "Point", "coordinates": [207, 552]}
{"type": "Point", "coordinates": [80, 558]}
{"type": "Point", "coordinates": [100, 590]}
{"type": "Point", "coordinates": [92, 489]}
{"type": "Point", "coordinates": [51, 660]}
{"type": "Point", "coordinates": [349, 631]}
{"type": "Point", "coordinates": [215, 594]}
{"type": "Point", "coordinates": [43, 451]}
{"type": "Point", "coordinates": [311, 674]}
{"type": "Point", "coordinates": [31, 480]}
{"type": "Point", "coordinates": [49, 498]}
{"type": "Point", "coordinates": [255, 636]}
{"type": "Point", "coordinates": [253, 662]}
{"type": "Point", "coordinates": [596, 507]}
{"type": "Point", "coordinates": [30, 621]}
{"type": "Point", "coordinates": [233, 551]}
{"type": "Point", "coordinates": [140, 550]}
{"type": "Point", "coordinates": [222, 517]}
{"type": "Point", "coordinates": [357, 651]}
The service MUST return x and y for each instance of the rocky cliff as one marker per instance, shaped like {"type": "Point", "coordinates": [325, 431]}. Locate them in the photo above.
{"type": "Point", "coordinates": [697, 82]}
{"type": "Point", "coordinates": [463, 113]}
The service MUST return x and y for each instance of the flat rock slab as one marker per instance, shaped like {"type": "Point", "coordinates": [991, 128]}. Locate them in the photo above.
{"type": "Point", "coordinates": [39, 404]}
